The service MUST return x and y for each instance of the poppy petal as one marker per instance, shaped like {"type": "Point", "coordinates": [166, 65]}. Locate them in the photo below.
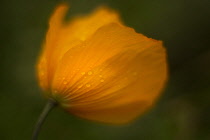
{"type": "Point", "coordinates": [115, 68]}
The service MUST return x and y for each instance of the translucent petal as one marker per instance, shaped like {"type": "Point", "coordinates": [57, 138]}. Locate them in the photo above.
{"type": "Point", "coordinates": [84, 26]}
{"type": "Point", "coordinates": [63, 36]}
{"type": "Point", "coordinates": [81, 28]}
{"type": "Point", "coordinates": [139, 84]}
{"type": "Point", "coordinates": [115, 115]}
{"type": "Point", "coordinates": [116, 70]}
{"type": "Point", "coordinates": [107, 42]}
{"type": "Point", "coordinates": [45, 68]}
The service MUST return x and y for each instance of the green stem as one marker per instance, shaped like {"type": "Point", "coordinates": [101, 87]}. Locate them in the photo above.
{"type": "Point", "coordinates": [48, 107]}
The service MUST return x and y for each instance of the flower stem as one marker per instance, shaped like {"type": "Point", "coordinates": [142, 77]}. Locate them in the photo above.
{"type": "Point", "coordinates": [48, 107]}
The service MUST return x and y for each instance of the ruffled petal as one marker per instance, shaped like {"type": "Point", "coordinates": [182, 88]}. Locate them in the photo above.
{"type": "Point", "coordinates": [114, 70]}
{"type": "Point", "coordinates": [81, 28]}
{"type": "Point", "coordinates": [115, 115]}
{"type": "Point", "coordinates": [45, 65]}
{"type": "Point", "coordinates": [42, 72]}
{"type": "Point", "coordinates": [129, 92]}
{"type": "Point", "coordinates": [107, 42]}
{"type": "Point", "coordinates": [62, 36]}
{"type": "Point", "coordinates": [84, 26]}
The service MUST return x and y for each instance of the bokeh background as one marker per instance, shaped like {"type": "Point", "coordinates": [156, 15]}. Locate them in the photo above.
{"type": "Point", "coordinates": [182, 113]}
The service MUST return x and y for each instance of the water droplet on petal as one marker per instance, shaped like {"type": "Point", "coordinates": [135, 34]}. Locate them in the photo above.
{"type": "Point", "coordinates": [42, 75]}
{"type": "Point", "coordinates": [83, 73]}
{"type": "Point", "coordinates": [64, 82]}
{"type": "Point", "coordinates": [79, 86]}
{"type": "Point", "coordinates": [87, 85]}
{"type": "Point", "coordinates": [102, 80]}
{"type": "Point", "coordinates": [90, 73]}
{"type": "Point", "coordinates": [135, 73]}
{"type": "Point", "coordinates": [100, 75]}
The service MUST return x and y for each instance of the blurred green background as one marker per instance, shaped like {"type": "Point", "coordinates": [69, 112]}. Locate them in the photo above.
{"type": "Point", "coordinates": [182, 113]}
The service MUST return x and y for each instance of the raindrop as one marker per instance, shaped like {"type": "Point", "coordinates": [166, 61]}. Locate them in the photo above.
{"type": "Point", "coordinates": [100, 75]}
{"type": "Point", "coordinates": [135, 73]}
{"type": "Point", "coordinates": [102, 80]}
{"type": "Point", "coordinates": [64, 82]}
{"type": "Point", "coordinates": [90, 73]}
{"type": "Point", "coordinates": [42, 73]}
{"type": "Point", "coordinates": [83, 73]}
{"type": "Point", "coordinates": [79, 86]}
{"type": "Point", "coordinates": [87, 85]}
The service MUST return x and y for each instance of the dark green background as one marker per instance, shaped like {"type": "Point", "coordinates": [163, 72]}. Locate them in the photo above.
{"type": "Point", "coordinates": [182, 113]}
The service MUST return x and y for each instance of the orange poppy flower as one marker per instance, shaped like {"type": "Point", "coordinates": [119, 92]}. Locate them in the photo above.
{"type": "Point", "coordinates": [98, 69]}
